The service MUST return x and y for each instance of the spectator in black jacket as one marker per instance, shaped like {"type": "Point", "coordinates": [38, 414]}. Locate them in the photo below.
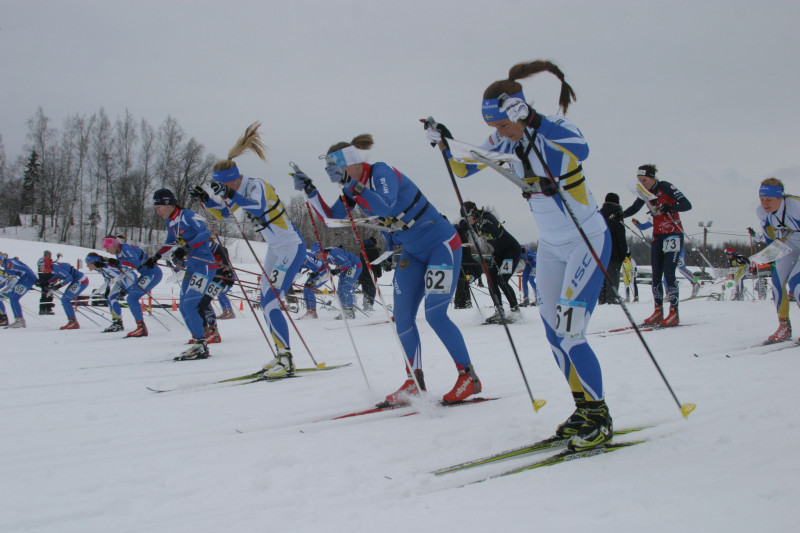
{"type": "Point", "coordinates": [612, 212]}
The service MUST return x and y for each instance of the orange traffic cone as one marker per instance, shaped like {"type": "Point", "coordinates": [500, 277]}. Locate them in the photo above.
{"type": "Point", "coordinates": [241, 305]}
{"type": "Point", "coordinates": [174, 305]}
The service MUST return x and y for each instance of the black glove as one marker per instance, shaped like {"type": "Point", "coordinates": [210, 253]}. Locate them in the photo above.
{"type": "Point", "coordinates": [387, 265]}
{"type": "Point", "coordinates": [222, 190]}
{"type": "Point", "coordinates": [303, 182]}
{"type": "Point", "coordinates": [114, 262]}
{"type": "Point", "coordinates": [198, 193]}
{"type": "Point", "coordinates": [751, 231]}
{"type": "Point", "coordinates": [548, 187]}
{"type": "Point", "coordinates": [180, 253]}
{"type": "Point", "coordinates": [667, 209]}
{"type": "Point", "coordinates": [151, 261]}
{"type": "Point", "coordinates": [334, 271]}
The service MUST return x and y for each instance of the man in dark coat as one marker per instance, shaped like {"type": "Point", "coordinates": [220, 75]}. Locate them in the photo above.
{"type": "Point", "coordinates": [612, 212]}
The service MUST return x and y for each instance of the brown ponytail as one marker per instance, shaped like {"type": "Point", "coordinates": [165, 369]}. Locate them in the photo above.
{"type": "Point", "coordinates": [250, 140]}
{"type": "Point", "coordinates": [525, 70]}
{"type": "Point", "coordinates": [362, 142]}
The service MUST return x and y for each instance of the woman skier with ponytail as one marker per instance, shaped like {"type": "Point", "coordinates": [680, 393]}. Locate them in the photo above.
{"type": "Point", "coordinates": [430, 257]}
{"type": "Point", "coordinates": [550, 151]}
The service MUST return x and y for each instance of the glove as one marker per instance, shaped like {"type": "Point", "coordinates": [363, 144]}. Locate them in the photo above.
{"type": "Point", "coordinates": [114, 262]}
{"type": "Point", "coordinates": [180, 253]}
{"type": "Point", "coordinates": [150, 262]}
{"type": "Point", "coordinates": [548, 187]}
{"type": "Point", "coordinates": [334, 271]}
{"type": "Point", "coordinates": [222, 189]}
{"type": "Point", "coordinates": [388, 264]}
{"type": "Point", "coordinates": [303, 182]}
{"type": "Point", "coordinates": [436, 132]}
{"type": "Point", "coordinates": [198, 193]}
{"type": "Point", "coordinates": [751, 231]}
{"type": "Point", "coordinates": [518, 110]}
{"type": "Point", "coordinates": [336, 173]}
{"type": "Point", "coordinates": [667, 209]}
{"type": "Point", "coordinates": [256, 221]}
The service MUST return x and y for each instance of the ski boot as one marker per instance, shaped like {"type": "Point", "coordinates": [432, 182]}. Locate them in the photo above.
{"type": "Point", "coordinates": [213, 336]}
{"type": "Point", "coordinates": [18, 323]}
{"type": "Point", "coordinates": [783, 333]}
{"type": "Point", "coordinates": [71, 324]}
{"type": "Point", "coordinates": [656, 317]}
{"type": "Point", "coordinates": [310, 314]}
{"type": "Point", "coordinates": [140, 331]}
{"type": "Point", "coordinates": [525, 302]}
{"type": "Point", "coordinates": [281, 366]}
{"type": "Point", "coordinates": [597, 429]}
{"type": "Point", "coordinates": [497, 318]}
{"type": "Point", "coordinates": [116, 325]}
{"type": "Point", "coordinates": [3, 319]}
{"type": "Point", "coordinates": [226, 314]}
{"type": "Point", "coordinates": [466, 385]}
{"type": "Point", "coordinates": [408, 389]}
{"type": "Point", "coordinates": [671, 319]}
{"type": "Point", "coordinates": [198, 350]}
{"type": "Point", "coordinates": [349, 313]}
{"type": "Point", "coordinates": [572, 424]}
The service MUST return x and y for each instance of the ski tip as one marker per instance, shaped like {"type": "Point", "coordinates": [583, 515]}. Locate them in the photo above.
{"type": "Point", "coordinates": [538, 404]}
{"type": "Point", "coordinates": [687, 408]}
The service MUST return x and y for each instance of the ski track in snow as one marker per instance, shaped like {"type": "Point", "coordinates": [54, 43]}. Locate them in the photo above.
{"type": "Point", "coordinates": [86, 447]}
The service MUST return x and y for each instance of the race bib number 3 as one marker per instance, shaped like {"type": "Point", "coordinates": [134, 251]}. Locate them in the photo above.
{"type": "Point", "coordinates": [277, 276]}
{"type": "Point", "coordinates": [570, 318]}
{"type": "Point", "coordinates": [439, 279]}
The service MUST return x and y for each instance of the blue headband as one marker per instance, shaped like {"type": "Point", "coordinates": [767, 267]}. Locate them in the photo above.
{"type": "Point", "coordinates": [770, 191]}
{"type": "Point", "coordinates": [491, 108]}
{"type": "Point", "coordinates": [226, 176]}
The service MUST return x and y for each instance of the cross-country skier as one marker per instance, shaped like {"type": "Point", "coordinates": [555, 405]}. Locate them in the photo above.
{"type": "Point", "coordinates": [779, 214]}
{"type": "Point", "coordinates": [285, 247]}
{"type": "Point", "coordinates": [528, 276]}
{"type": "Point", "coordinates": [112, 286]}
{"type": "Point", "coordinates": [137, 281]}
{"type": "Point", "coordinates": [427, 267]}
{"type": "Point", "coordinates": [317, 277]}
{"type": "Point", "coordinates": [19, 280]}
{"type": "Point", "coordinates": [569, 279]}
{"type": "Point", "coordinates": [188, 234]}
{"type": "Point", "coordinates": [349, 267]}
{"type": "Point", "coordinates": [75, 281]}
{"type": "Point", "coordinates": [682, 264]}
{"type": "Point", "coordinates": [742, 265]}
{"type": "Point", "coordinates": [505, 257]}
{"type": "Point", "coordinates": [45, 267]}
{"type": "Point", "coordinates": [667, 243]}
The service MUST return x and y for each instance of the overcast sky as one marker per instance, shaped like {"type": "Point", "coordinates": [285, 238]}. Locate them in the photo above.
{"type": "Point", "coordinates": [707, 90]}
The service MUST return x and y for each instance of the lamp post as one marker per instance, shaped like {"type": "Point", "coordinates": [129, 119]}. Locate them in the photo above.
{"type": "Point", "coordinates": [705, 226]}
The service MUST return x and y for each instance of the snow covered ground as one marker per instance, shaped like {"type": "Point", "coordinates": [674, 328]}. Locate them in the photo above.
{"type": "Point", "coordinates": [86, 447]}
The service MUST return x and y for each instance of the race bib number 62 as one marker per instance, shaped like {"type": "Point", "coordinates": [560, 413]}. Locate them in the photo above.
{"type": "Point", "coordinates": [439, 279]}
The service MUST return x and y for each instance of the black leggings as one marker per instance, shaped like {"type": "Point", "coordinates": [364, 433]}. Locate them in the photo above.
{"type": "Point", "coordinates": [664, 264]}
{"type": "Point", "coordinates": [499, 282]}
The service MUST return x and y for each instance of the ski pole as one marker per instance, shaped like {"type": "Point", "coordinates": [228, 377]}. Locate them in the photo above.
{"type": "Point", "coordinates": [535, 402]}
{"type": "Point", "coordinates": [335, 292]}
{"type": "Point", "coordinates": [241, 286]}
{"type": "Point", "coordinates": [686, 408]}
{"type": "Point", "coordinates": [269, 281]}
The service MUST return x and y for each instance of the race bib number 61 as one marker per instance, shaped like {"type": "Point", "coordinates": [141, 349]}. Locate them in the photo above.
{"type": "Point", "coordinates": [570, 318]}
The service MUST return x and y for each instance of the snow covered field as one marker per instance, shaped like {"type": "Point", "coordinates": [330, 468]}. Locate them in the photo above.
{"type": "Point", "coordinates": [86, 447]}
